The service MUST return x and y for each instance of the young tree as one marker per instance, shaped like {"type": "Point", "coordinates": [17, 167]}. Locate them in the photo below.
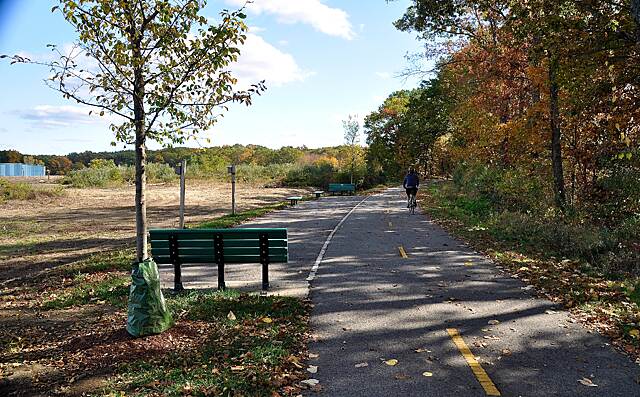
{"type": "Point", "coordinates": [351, 128]}
{"type": "Point", "coordinates": [157, 66]}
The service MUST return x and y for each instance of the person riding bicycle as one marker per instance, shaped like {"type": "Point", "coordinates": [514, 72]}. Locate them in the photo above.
{"type": "Point", "coordinates": [411, 184]}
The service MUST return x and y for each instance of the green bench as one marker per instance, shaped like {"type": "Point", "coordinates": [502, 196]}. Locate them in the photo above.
{"type": "Point", "coordinates": [294, 200]}
{"type": "Point", "coordinates": [341, 188]}
{"type": "Point", "coordinates": [219, 246]}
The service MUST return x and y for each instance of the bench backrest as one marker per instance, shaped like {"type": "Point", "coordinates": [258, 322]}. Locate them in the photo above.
{"type": "Point", "coordinates": [203, 245]}
{"type": "Point", "coordinates": [342, 187]}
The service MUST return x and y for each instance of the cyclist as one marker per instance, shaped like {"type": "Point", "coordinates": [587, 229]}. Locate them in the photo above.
{"type": "Point", "coordinates": [411, 184]}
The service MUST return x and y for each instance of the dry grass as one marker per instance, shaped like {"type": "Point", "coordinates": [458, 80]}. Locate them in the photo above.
{"type": "Point", "coordinates": [49, 231]}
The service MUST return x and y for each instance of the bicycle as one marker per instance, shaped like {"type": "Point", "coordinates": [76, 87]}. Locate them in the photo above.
{"type": "Point", "coordinates": [412, 204]}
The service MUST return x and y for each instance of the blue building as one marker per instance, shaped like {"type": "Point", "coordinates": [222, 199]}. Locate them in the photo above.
{"type": "Point", "coordinates": [17, 169]}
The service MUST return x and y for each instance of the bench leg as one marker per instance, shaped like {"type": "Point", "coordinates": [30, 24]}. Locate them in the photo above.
{"type": "Point", "coordinates": [265, 276]}
{"type": "Point", "coordinates": [221, 284]}
{"type": "Point", "coordinates": [177, 278]}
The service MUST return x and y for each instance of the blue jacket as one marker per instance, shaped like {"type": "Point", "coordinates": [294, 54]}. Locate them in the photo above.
{"type": "Point", "coordinates": [411, 180]}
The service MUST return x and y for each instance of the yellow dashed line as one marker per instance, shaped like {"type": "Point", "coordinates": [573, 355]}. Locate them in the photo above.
{"type": "Point", "coordinates": [486, 382]}
{"type": "Point", "coordinates": [403, 253]}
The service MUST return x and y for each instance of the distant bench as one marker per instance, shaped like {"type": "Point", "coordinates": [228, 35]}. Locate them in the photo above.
{"type": "Point", "coordinates": [342, 187]}
{"type": "Point", "coordinates": [294, 200]}
{"type": "Point", "coordinates": [219, 246]}
{"type": "Point", "coordinates": [318, 193]}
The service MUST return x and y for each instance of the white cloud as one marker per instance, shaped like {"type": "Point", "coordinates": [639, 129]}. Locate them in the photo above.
{"type": "Point", "coordinates": [49, 116]}
{"type": "Point", "coordinates": [331, 21]}
{"type": "Point", "coordinates": [256, 29]}
{"type": "Point", "coordinates": [260, 60]}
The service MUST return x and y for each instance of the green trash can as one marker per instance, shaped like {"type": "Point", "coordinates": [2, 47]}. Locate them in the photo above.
{"type": "Point", "coordinates": [147, 310]}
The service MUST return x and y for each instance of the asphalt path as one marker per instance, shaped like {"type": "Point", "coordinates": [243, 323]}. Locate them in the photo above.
{"type": "Point", "coordinates": [372, 305]}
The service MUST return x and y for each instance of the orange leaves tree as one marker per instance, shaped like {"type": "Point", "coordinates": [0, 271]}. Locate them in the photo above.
{"type": "Point", "coordinates": [547, 86]}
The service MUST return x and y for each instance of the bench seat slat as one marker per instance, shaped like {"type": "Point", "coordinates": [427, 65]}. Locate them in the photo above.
{"type": "Point", "coordinates": [202, 234]}
{"type": "Point", "coordinates": [210, 252]}
{"type": "Point", "coordinates": [162, 259]}
{"type": "Point", "coordinates": [208, 243]}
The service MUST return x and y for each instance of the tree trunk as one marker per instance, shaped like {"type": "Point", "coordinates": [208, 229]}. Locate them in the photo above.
{"type": "Point", "coordinates": [556, 134]}
{"type": "Point", "coordinates": [141, 195]}
{"type": "Point", "coordinates": [141, 164]}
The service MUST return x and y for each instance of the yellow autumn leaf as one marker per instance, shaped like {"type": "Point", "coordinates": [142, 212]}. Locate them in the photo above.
{"type": "Point", "coordinates": [391, 362]}
{"type": "Point", "coordinates": [427, 374]}
{"type": "Point", "coordinates": [231, 316]}
{"type": "Point", "coordinates": [635, 333]}
{"type": "Point", "coordinates": [267, 320]}
{"type": "Point", "coordinates": [468, 263]}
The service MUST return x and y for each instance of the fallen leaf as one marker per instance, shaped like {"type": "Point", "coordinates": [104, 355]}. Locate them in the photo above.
{"type": "Point", "coordinates": [506, 352]}
{"type": "Point", "coordinates": [231, 316]}
{"type": "Point", "coordinates": [310, 382]}
{"type": "Point", "coordinates": [313, 355]}
{"type": "Point", "coordinates": [635, 333]}
{"type": "Point", "coordinates": [468, 263]}
{"type": "Point", "coordinates": [421, 350]}
{"type": "Point", "coordinates": [237, 368]}
{"type": "Point", "coordinates": [493, 322]}
{"type": "Point", "coordinates": [587, 382]}
{"type": "Point", "coordinates": [361, 365]}
{"type": "Point", "coordinates": [267, 320]}
{"type": "Point", "coordinates": [427, 374]}
{"type": "Point", "coordinates": [391, 362]}
{"type": "Point", "coordinates": [312, 369]}
{"type": "Point", "coordinates": [402, 377]}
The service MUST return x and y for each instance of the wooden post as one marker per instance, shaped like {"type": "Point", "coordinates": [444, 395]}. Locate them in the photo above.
{"type": "Point", "coordinates": [233, 194]}
{"type": "Point", "coordinates": [231, 169]}
{"type": "Point", "coordinates": [183, 172]}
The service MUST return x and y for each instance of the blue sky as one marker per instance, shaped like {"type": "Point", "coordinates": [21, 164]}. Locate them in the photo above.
{"type": "Point", "coordinates": [322, 60]}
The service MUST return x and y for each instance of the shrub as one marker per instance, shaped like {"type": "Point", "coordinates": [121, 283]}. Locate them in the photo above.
{"type": "Point", "coordinates": [25, 191]}
{"type": "Point", "coordinates": [16, 191]}
{"type": "Point", "coordinates": [505, 188]}
{"type": "Point", "coordinates": [105, 173]}
{"type": "Point", "coordinates": [158, 173]}
{"type": "Point", "coordinates": [319, 175]}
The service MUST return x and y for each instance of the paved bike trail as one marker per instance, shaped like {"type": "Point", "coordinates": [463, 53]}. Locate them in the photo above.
{"type": "Point", "coordinates": [372, 305]}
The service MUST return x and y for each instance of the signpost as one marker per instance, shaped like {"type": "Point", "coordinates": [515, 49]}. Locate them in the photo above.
{"type": "Point", "coordinates": [232, 170]}
{"type": "Point", "coordinates": [183, 172]}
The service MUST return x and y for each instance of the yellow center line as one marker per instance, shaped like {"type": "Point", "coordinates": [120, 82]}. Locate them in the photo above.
{"type": "Point", "coordinates": [486, 382]}
{"type": "Point", "coordinates": [403, 253]}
